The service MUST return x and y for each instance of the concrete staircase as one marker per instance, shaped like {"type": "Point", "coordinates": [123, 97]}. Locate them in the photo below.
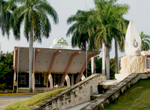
{"type": "Point", "coordinates": [93, 93]}
{"type": "Point", "coordinates": [75, 97]}
{"type": "Point", "coordinates": [102, 88]}
{"type": "Point", "coordinates": [115, 89]}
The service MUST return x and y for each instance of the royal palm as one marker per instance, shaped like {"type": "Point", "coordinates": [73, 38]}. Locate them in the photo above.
{"type": "Point", "coordinates": [36, 23]}
{"type": "Point", "coordinates": [108, 24]}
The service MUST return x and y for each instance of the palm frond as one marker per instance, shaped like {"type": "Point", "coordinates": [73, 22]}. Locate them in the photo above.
{"type": "Point", "coordinates": [45, 24]}
{"type": "Point", "coordinates": [19, 11]}
{"type": "Point", "coordinates": [27, 25]}
{"type": "Point", "coordinates": [50, 10]}
{"type": "Point", "coordinates": [72, 29]}
{"type": "Point", "coordinates": [16, 26]}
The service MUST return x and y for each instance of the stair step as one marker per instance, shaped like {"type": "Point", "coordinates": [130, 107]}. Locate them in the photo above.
{"type": "Point", "coordinates": [95, 96]}
{"type": "Point", "coordinates": [78, 107]}
{"type": "Point", "coordinates": [121, 76]}
{"type": "Point", "coordinates": [107, 84]}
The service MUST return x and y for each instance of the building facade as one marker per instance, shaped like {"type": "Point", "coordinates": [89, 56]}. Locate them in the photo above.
{"type": "Point", "coordinates": [54, 66]}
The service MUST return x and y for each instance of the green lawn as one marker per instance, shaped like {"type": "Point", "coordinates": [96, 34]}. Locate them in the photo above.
{"type": "Point", "coordinates": [35, 100]}
{"type": "Point", "coordinates": [135, 98]}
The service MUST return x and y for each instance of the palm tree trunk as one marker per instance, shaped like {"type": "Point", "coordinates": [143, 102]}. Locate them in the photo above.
{"type": "Point", "coordinates": [116, 58]}
{"type": "Point", "coordinates": [104, 59]}
{"type": "Point", "coordinates": [107, 63]}
{"type": "Point", "coordinates": [30, 59]}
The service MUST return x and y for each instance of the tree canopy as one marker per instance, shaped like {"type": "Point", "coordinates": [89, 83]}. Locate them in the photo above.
{"type": "Point", "coordinates": [145, 42]}
{"type": "Point", "coordinates": [34, 14]}
{"type": "Point", "coordinates": [6, 69]}
{"type": "Point", "coordinates": [5, 17]}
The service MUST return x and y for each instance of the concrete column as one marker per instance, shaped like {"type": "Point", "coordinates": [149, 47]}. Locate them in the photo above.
{"type": "Point", "coordinates": [64, 78]}
{"type": "Point", "coordinates": [92, 65]}
{"type": "Point", "coordinates": [104, 59]}
{"type": "Point", "coordinates": [14, 79]}
{"type": "Point", "coordinates": [80, 76]}
{"type": "Point", "coordinates": [67, 80]}
{"type": "Point", "coordinates": [15, 59]}
{"type": "Point", "coordinates": [33, 82]}
{"type": "Point", "coordinates": [50, 79]}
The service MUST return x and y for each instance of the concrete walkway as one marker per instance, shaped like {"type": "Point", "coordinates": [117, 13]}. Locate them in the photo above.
{"type": "Point", "coordinates": [6, 94]}
{"type": "Point", "coordinates": [10, 99]}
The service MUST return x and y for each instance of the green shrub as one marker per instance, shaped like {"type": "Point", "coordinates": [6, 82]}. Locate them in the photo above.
{"type": "Point", "coordinates": [7, 90]}
{"type": "Point", "coordinates": [3, 87]}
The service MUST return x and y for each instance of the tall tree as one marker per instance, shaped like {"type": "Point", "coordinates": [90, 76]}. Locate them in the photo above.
{"type": "Point", "coordinates": [119, 35]}
{"type": "Point", "coordinates": [5, 16]}
{"type": "Point", "coordinates": [102, 25]}
{"type": "Point", "coordinates": [108, 24]}
{"type": "Point", "coordinates": [36, 23]}
{"type": "Point", "coordinates": [145, 42]}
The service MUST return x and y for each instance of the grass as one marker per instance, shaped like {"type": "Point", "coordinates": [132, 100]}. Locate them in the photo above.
{"type": "Point", "coordinates": [35, 100]}
{"type": "Point", "coordinates": [135, 98]}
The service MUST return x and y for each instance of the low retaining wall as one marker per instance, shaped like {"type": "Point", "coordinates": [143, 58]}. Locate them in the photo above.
{"type": "Point", "coordinates": [113, 93]}
{"type": "Point", "coordinates": [77, 94]}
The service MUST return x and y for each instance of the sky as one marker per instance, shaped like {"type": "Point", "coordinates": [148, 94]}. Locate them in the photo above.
{"type": "Point", "coordinates": [138, 12]}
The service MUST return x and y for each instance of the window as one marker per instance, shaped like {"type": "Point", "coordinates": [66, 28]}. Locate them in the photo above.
{"type": "Point", "coordinates": [39, 79]}
{"type": "Point", "coordinates": [148, 62]}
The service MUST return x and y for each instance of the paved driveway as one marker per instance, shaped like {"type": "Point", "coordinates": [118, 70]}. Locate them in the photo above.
{"type": "Point", "coordinates": [10, 99]}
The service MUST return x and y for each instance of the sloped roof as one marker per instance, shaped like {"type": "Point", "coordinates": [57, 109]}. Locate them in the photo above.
{"type": "Point", "coordinates": [44, 59]}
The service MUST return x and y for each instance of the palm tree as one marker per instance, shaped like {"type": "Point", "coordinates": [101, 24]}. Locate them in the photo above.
{"type": "Point", "coordinates": [101, 30]}
{"type": "Point", "coordinates": [119, 39]}
{"type": "Point", "coordinates": [145, 42]}
{"type": "Point", "coordinates": [5, 16]}
{"type": "Point", "coordinates": [119, 35]}
{"type": "Point", "coordinates": [108, 24]}
{"type": "Point", "coordinates": [78, 31]}
{"type": "Point", "coordinates": [36, 23]}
